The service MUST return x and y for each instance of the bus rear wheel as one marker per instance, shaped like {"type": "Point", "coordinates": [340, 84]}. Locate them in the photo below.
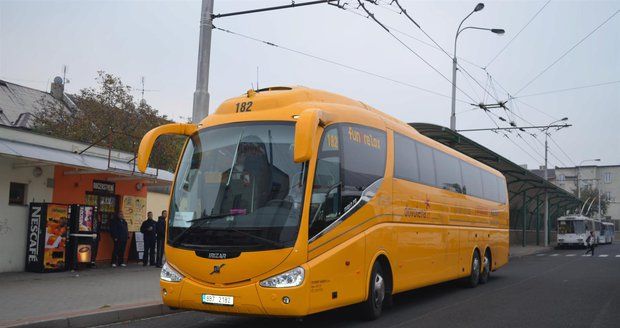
{"type": "Point", "coordinates": [486, 267]}
{"type": "Point", "coordinates": [373, 305]}
{"type": "Point", "coordinates": [474, 276]}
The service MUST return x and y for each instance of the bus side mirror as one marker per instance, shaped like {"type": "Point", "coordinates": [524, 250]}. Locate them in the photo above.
{"type": "Point", "coordinates": [305, 130]}
{"type": "Point", "coordinates": [146, 145]}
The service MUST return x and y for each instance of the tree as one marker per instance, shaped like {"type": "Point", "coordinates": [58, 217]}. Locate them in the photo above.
{"type": "Point", "coordinates": [589, 194]}
{"type": "Point", "coordinates": [109, 115]}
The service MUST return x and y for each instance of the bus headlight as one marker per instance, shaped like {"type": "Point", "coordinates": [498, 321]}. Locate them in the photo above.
{"type": "Point", "coordinates": [169, 274]}
{"type": "Point", "coordinates": [291, 278]}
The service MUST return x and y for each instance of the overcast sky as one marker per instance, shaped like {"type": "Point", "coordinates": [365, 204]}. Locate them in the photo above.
{"type": "Point", "coordinates": [159, 40]}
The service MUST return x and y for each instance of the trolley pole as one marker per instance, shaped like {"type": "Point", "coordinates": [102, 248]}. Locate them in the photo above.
{"type": "Point", "coordinates": [546, 220]}
{"type": "Point", "coordinates": [201, 95]}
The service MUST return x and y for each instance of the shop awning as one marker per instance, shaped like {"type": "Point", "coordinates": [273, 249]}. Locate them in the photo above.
{"type": "Point", "coordinates": [526, 189]}
{"type": "Point", "coordinates": [47, 150]}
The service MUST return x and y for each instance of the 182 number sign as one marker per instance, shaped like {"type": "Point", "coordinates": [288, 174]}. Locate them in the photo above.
{"type": "Point", "coordinates": [243, 107]}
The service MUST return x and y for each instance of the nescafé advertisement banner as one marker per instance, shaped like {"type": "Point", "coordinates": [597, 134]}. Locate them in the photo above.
{"type": "Point", "coordinates": [134, 210]}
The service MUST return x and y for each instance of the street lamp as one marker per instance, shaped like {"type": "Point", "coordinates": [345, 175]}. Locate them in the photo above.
{"type": "Point", "coordinates": [579, 171]}
{"type": "Point", "coordinates": [546, 129]}
{"type": "Point", "coordinates": [497, 31]}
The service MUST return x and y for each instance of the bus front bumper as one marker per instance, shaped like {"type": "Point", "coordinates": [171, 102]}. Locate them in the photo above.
{"type": "Point", "coordinates": [248, 299]}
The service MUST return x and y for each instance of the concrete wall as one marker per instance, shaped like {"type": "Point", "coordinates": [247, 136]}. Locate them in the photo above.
{"type": "Point", "coordinates": [14, 218]}
{"type": "Point", "coordinates": [157, 202]}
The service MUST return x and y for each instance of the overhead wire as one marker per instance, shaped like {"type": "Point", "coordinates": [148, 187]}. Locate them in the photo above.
{"type": "Point", "coordinates": [410, 49]}
{"type": "Point", "coordinates": [333, 62]}
{"type": "Point", "coordinates": [563, 152]}
{"type": "Point", "coordinates": [516, 35]}
{"type": "Point", "coordinates": [490, 78]}
{"type": "Point", "coordinates": [566, 53]}
{"type": "Point", "coordinates": [569, 89]}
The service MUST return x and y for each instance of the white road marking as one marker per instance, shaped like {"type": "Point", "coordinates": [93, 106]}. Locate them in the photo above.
{"type": "Point", "coordinates": [618, 255]}
{"type": "Point", "coordinates": [540, 254]}
{"type": "Point", "coordinates": [571, 254]}
{"type": "Point", "coordinates": [586, 255]}
{"type": "Point", "coordinates": [603, 255]}
{"type": "Point", "coordinates": [556, 254]}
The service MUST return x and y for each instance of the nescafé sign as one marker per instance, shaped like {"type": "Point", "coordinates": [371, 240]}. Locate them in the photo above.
{"type": "Point", "coordinates": [103, 186]}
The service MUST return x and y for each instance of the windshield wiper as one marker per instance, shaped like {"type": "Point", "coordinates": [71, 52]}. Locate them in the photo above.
{"type": "Point", "coordinates": [264, 240]}
{"type": "Point", "coordinates": [205, 218]}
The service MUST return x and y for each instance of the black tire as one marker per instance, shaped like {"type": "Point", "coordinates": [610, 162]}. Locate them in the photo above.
{"type": "Point", "coordinates": [486, 267]}
{"type": "Point", "coordinates": [372, 307]}
{"type": "Point", "coordinates": [474, 276]}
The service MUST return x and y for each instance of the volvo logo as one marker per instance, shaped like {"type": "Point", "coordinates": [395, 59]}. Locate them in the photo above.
{"type": "Point", "coordinates": [217, 268]}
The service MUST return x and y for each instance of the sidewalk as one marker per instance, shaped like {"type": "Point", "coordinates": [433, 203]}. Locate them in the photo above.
{"type": "Point", "coordinates": [27, 298]}
{"type": "Point", "coordinates": [519, 251]}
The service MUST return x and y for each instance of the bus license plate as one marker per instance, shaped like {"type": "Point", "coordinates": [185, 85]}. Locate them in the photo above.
{"type": "Point", "coordinates": [217, 299]}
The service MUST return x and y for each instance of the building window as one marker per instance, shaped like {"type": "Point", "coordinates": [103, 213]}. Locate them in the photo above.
{"type": "Point", "coordinates": [561, 177]}
{"type": "Point", "coordinates": [609, 196]}
{"type": "Point", "coordinates": [607, 177]}
{"type": "Point", "coordinates": [17, 194]}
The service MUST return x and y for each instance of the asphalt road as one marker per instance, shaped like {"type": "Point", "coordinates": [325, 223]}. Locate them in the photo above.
{"type": "Point", "coordinates": [560, 288]}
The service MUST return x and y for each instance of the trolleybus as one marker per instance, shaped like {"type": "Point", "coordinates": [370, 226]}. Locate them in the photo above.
{"type": "Point", "coordinates": [292, 201]}
{"type": "Point", "coordinates": [573, 230]}
{"type": "Point", "coordinates": [608, 230]}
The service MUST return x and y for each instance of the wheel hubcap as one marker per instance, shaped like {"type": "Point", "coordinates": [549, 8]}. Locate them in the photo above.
{"type": "Point", "coordinates": [486, 263]}
{"type": "Point", "coordinates": [476, 267]}
{"type": "Point", "coordinates": [379, 290]}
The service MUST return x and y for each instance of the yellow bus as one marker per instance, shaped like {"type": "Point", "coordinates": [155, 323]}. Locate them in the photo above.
{"type": "Point", "coordinates": [292, 201]}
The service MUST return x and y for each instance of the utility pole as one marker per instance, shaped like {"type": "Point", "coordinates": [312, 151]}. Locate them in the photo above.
{"type": "Point", "coordinates": [201, 95]}
{"type": "Point", "coordinates": [598, 187]}
{"type": "Point", "coordinates": [579, 171]}
{"type": "Point", "coordinates": [546, 221]}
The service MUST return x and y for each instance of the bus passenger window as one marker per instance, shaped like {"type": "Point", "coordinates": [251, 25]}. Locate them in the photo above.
{"type": "Point", "coordinates": [405, 159]}
{"type": "Point", "coordinates": [490, 187]}
{"type": "Point", "coordinates": [472, 180]}
{"type": "Point", "coordinates": [363, 161]}
{"type": "Point", "coordinates": [427, 166]}
{"type": "Point", "coordinates": [448, 172]}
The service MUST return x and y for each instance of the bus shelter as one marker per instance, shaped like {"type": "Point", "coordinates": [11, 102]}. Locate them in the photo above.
{"type": "Point", "coordinates": [526, 190]}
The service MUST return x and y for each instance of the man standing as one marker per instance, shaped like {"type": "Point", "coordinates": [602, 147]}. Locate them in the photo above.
{"type": "Point", "coordinates": [119, 232]}
{"type": "Point", "coordinates": [590, 243]}
{"type": "Point", "coordinates": [161, 237]}
{"type": "Point", "coordinates": [149, 230]}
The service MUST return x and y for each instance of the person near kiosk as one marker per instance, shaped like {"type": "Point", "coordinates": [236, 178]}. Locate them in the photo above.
{"type": "Point", "coordinates": [161, 237]}
{"type": "Point", "coordinates": [120, 234]}
{"type": "Point", "coordinates": [149, 230]}
{"type": "Point", "coordinates": [94, 247]}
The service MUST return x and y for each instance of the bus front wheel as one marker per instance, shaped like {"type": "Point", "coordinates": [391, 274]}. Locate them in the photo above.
{"type": "Point", "coordinates": [474, 276]}
{"type": "Point", "coordinates": [373, 305]}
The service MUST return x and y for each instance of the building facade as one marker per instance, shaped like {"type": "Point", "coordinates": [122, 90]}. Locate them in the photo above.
{"type": "Point", "coordinates": [38, 168]}
{"type": "Point", "coordinates": [604, 177]}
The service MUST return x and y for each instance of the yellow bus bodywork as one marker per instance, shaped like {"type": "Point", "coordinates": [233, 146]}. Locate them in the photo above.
{"type": "Point", "coordinates": [427, 235]}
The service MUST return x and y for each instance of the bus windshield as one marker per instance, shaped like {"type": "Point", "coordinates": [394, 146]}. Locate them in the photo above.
{"type": "Point", "coordinates": [237, 188]}
{"type": "Point", "coordinates": [569, 226]}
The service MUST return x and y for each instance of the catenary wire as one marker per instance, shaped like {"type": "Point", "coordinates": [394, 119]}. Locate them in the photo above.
{"type": "Point", "coordinates": [569, 89]}
{"type": "Point", "coordinates": [566, 52]}
{"type": "Point", "coordinates": [411, 49]}
{"type": "Point", "coordinates": [516, 35]}
{"type": "Point", "coordinates": [269, 43]}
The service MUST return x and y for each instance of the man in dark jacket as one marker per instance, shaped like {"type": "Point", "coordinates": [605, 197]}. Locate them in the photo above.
{"type": "Point", "coordinates": [119, 233]}
{"type": "Point", "coordinates": [590, 243]}
{"type": "Point", "coordinates": [149, 230]}
{"type": "Point", "coordinates": [161, 237]}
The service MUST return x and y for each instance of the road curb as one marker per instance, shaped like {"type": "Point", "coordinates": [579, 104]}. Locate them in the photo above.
{"type": "Point", "coordinates": [533, 252]}
{"type": "Point", "coordinates": [98, 317]}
